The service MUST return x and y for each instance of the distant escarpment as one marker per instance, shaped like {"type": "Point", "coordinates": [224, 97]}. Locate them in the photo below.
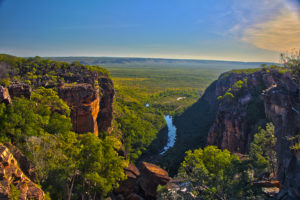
{"type": "Point", "coordinates": [240, 101]}
{"type": "Point", "coordinates": [87, 90]}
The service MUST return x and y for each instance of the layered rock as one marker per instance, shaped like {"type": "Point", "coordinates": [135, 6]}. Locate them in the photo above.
{"type": "Point", "coordinates": [142, 183]}
{"type": "Point", "coordinates": [12, 176]}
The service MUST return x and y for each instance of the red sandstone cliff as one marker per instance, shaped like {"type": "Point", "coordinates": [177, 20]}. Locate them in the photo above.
{"type": "Point", "coordinates": [84, 102]}
{"type": "Point", "coordinates": [91, 106]}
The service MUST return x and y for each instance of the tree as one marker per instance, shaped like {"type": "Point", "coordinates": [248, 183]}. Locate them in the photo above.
{"type": "Point", "coordinates": [262, 151]}
{"type": "Point", "coordinates": [211, 173]}
{"type": "Point", "coordinates": [101, 167]}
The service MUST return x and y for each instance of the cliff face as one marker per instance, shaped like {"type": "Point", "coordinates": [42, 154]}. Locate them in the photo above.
{"type": "Point", "coordinates": [91, 107]}
{"type": "Point", "coordinates": [106, 104]}
{"type": "Point", "coordinates": [84, 102]}
{"type": "Point", "coordinates": [282, 106]}
{"type": "Point", "coordinates": [269, 95]}
{"type": "Point", "coordinates": [238, 116]}
{"type": "Point", "coordinates": [12, 176]}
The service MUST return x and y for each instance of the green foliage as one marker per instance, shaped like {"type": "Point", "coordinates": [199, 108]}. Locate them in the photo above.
{"type": "Point", "coordinates": [14, 192]}
{"type": "Point", "coordinates": [239, 84]}
{"type": "Point", "coordinates": [228, 96]}
{"type": "Point", "coordinates": [101, 166]}
{"type": "Point", "coordinates": [41, 129]}
{"type": "Point", "coordinates": [47, 113]}
{"type": "Point", "coordinates": [295, 140]}
{"type": "Point", "coordinates": [212, 169]}
{"type": "Point", "coordinates": [139, 128]}
{"type": "Point", "coordinates": [5, 82]}
{"type": "Point", "coordinates": [215, 174]}
{"type": "Point", "coordinates": [37, 71]}
{"type": "Point", "coordinates": [240, 71]}
{"type": "Point", "coordinates": [262, 151]}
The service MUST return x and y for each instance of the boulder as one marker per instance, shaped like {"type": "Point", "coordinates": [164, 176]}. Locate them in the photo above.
{"type": "Point", "coordinates": [151, 177]}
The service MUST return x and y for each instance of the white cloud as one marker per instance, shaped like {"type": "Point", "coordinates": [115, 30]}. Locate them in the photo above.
{"type": "Point", "coordinates": [279, 34]}
{"type": "Point", "coordinates": [268, 24]}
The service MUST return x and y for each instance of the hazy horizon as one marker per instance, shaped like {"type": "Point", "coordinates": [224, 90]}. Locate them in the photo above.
{"type": "Point", "coordinates": [231, 30]}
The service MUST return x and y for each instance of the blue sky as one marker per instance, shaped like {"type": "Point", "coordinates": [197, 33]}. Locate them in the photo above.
{"type": "Point", "coordinates": [247, 30]}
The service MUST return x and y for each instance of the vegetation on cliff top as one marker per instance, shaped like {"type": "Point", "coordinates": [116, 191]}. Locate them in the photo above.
{"type": "Point", "coordinates": [41, 72]}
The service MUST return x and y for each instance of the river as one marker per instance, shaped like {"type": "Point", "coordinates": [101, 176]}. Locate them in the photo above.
{"type": "Point", "coordinates": [171, 133]}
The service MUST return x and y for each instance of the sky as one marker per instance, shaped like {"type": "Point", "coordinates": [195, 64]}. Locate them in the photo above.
{"type": "Point", "coordinates": [243, 30]}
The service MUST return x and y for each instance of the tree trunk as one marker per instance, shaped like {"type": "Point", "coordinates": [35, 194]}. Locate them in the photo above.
{"type": "Point", "coordinates": [71, 187]}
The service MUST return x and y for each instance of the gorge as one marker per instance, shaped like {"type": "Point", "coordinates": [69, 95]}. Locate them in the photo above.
{"type": "Point", "coordinates": [227, 115]}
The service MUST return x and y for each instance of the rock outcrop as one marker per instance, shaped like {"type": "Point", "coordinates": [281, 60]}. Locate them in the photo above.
{"type": "Point", "coordinates": [84, 102]}
{"type": "Point", "coordinates": [142, 184]}
{"type": "Point", "coordinates": [151, 177]}
{"type": "Point", "coordinates": [91, 106]}
{"type": "Point", "coordinates": [11, 176]}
